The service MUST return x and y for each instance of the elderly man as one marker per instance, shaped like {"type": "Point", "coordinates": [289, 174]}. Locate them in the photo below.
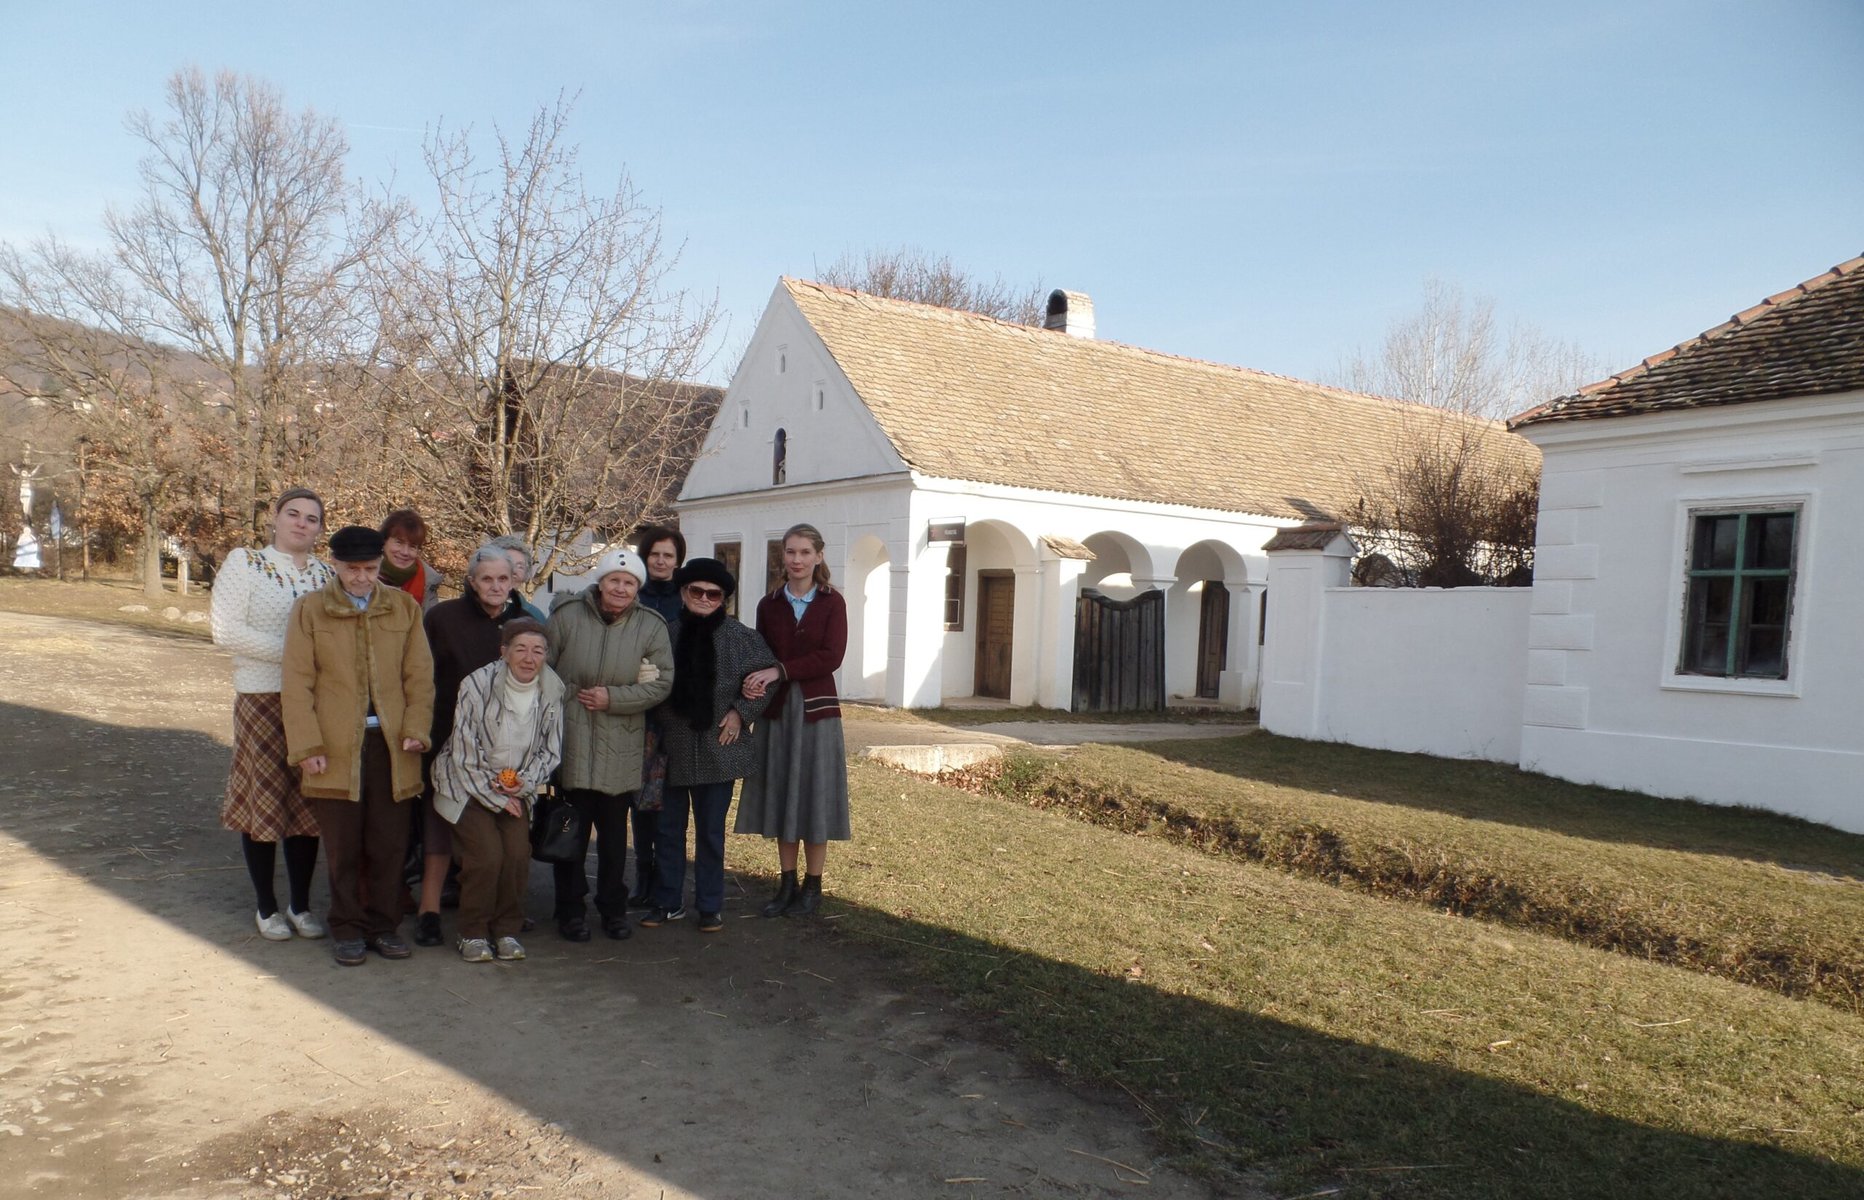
{"type": "Point", "coordinates": [522, 560]}
{"type": "Point", "coordinates": [358, 697]}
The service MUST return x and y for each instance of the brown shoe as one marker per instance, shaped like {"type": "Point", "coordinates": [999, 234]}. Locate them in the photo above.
{"type": "Point", "coordinates": [389, 945]}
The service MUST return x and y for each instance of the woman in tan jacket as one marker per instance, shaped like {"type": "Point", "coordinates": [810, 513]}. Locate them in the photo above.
{"type": "Point", "coordinates": [358, 697]}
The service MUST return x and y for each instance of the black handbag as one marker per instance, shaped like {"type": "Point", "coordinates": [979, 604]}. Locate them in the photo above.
{"type": "Point", "coordinates": [559, 831]}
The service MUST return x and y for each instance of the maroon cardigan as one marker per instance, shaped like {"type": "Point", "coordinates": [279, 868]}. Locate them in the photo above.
{"type": "Point", "coordinates": [808, 651]}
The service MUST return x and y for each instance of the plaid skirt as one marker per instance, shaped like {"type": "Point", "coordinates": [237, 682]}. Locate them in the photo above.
{"type": "Point", "coordinates": [263, 801]}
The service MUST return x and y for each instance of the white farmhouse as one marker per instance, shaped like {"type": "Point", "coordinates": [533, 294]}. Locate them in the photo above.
{"type": "Point", "coordinates": [974, 479]}
{"type": "Point", "coordinates": [1696, 627]}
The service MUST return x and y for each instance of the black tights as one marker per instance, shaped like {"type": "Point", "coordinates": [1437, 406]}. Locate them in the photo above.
{"type": "Point", "coordinates": [300, 865]}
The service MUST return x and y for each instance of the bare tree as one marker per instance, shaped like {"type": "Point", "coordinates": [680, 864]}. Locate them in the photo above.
{"type": "Point", "coordinates": [908, 273]}
{"type": "Point", "coordinates": [531, 345]}
{"type": "Point", "coordinates": [1456, 502]}
{"type": "Point", "coordinates": [241, 250]}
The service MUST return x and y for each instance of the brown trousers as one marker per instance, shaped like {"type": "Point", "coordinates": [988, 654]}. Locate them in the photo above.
{"type": "Point", "coordinates": [364, 844]}
{"type": "Point", "coordinates": [495, 867]}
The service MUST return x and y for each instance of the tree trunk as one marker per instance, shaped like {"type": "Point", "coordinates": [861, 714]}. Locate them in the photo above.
{"type": "Point", "coordinates": [151, 551]}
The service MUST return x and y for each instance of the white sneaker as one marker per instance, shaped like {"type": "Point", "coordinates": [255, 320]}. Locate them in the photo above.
{"type": "Point", "coordinates": [475, 950]}
{"type": "Point", "coordinates": [509, 950]}
{"type": "Point", "coordinates": [273, 928]}
{"type": "Point", "coordinates": [306, 925]}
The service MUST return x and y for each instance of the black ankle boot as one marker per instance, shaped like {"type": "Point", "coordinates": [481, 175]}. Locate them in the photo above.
{"type": "Point", "coordinates": [808, 898]}
{"type": "Point", "coordinates": [786, 892]}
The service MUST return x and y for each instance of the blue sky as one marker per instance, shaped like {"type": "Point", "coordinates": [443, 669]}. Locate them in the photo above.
{"type": "Point", "coordinates": [1262, 184]}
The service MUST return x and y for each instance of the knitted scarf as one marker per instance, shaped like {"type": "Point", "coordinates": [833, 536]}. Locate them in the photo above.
{"type": "Point", "coordinates": [695, 664]}
{"type": "Point", "coordinates": [412, 581]}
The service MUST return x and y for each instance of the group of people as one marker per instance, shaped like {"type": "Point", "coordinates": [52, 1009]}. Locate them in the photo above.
{"type": "Point", "coordinates": [370, 714]}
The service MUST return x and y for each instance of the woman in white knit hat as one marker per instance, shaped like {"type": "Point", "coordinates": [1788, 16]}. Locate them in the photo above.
{"type": "Point", "coordinates": [616, 662]}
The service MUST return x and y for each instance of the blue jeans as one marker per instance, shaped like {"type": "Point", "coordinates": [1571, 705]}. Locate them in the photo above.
{"type": "Point", "coordinates": [708, 802]}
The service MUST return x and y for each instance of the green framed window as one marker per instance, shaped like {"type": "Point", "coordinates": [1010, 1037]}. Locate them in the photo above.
{"type": "Point", "coordinates": [1740, 597]}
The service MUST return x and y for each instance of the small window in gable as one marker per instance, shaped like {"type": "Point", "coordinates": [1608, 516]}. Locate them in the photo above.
{"type": "Point", "coordinates": [783, 359]}
{"type": "Point", "coordinates": [744, 416]}
{"type": "Point", "coordinates": [1739, 600]}
{"type": "Point", "coordinates": [821, 396]}
{"type": "Point", "coordinates": [780, 455]}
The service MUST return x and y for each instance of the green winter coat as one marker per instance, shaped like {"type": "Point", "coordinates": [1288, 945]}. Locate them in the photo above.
{"type": "Point", "coordinates": [602, 751]}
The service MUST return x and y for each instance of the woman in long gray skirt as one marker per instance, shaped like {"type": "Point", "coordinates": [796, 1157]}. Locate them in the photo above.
{"type": "Point", "coordinates": [801, 799]}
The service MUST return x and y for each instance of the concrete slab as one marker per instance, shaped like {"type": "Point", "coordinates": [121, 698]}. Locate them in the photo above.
{"type": "Point", "coordinates": [930, 760]}
{"type": "Point", "coordinates": [1078, 733]}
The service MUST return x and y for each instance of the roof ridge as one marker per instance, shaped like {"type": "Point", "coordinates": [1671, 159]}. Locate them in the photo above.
{"type": "Point", "coordinates": [834, 290]}
{"type": "Point", "coordinates": [1740, 320]}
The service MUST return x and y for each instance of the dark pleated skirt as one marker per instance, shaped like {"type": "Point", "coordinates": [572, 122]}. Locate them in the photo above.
{"type": "Point", "coordinates": [802, 793]}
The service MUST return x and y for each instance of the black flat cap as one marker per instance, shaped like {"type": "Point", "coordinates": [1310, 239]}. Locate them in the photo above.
{"type": "Point", "coordinates": [356, 543]}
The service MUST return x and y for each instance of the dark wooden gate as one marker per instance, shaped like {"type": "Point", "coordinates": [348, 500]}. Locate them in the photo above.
{"type": "Point", "coordinates": [1119, 653]}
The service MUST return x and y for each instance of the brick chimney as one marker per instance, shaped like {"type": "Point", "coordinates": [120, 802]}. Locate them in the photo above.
{"type": "Point", "coordinates": [1070, 312]}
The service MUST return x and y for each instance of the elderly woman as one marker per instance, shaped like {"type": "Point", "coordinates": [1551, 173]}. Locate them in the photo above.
{"type": "Point", "coordinates": [358, 695]}
{"type": "Point", "coordinates": [617, 661]}
{"type": "Point", "coordinates": [404, 536]}
{"type": "Point", "coordinates": [505, 740]}
{"type": "Point", "coordinates": [800, 798]}
{"type": "Point", "coordinates": [663, 551]}
{"type": "Point", "coordinates": [707, 726]}
{"type": "Point", "coordinates": [253, 595]}
{"type": "Point", "coordinates": [463, 634]}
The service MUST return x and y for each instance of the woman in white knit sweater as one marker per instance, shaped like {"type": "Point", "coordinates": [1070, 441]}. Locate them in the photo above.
{"type": "Point", "coordinates": [507, 738]}
{"type": "Point", "coordinates": [254, 591]}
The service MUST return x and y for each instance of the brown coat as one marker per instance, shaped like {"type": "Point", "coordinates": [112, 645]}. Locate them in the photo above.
{"type": "Point", "coordinates": [339, 660]}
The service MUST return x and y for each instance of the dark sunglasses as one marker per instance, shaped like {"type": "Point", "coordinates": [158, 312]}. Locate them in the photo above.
{"type": "Point", "coordinates": [704, 593]}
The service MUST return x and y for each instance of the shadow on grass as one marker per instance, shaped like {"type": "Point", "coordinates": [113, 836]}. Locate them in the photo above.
{"type": "Point", "coordinates": [1497, 792]}
{"type": "Point", "coordinates": [1303, 1110]}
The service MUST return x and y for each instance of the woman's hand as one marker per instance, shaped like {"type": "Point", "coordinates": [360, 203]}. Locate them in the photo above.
{"type": "Point", "coordinates": [731, 728]}
{"type": "Point", "coordinates": [595, 699]}
{"type": "Point", "coordinates": [413, 745]}
{"type": "Point", "coordinates": [514, 807]}
{"type": "Point", "coordinates": [316, 764]}
{"type": "Point", "coordinates": [648, 672]}
{"type": "Point", "coordinates": [759, 681]}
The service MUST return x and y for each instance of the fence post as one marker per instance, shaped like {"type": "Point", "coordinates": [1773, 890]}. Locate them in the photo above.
{"type": "Point", "coordinates": [1303, 563]}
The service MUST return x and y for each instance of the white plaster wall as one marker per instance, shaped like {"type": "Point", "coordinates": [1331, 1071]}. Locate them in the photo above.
{"type": "Point", "coordinates": [839, 441]}
{"type": "Point", "coordinates": [1424, 670]}
{"type": "Point", "coordinates": [1603, 702]}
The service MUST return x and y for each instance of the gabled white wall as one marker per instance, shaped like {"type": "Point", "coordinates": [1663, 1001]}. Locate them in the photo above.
{"type": "Point", "coordinates": [1603, 701]}
{"type": "Point", "coordinates": [775, 388]}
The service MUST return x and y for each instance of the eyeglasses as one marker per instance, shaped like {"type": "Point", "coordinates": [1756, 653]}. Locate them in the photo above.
{"type": "Point", "coordinates": [704, 593]}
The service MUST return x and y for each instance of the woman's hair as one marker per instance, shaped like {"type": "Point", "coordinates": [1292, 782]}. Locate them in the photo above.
{"type": "Point", "coordinates": [490, 552]}
{"type": "Point", "coordinates": [405, 524]}
{"type": "Point", "coordinates": [517, 627]}
{"type": "Point", "coordinates": [815, 539]}
{"type": "Point", "coordinates": [300, 493]}
{"type": "Point", "coordinates": [652, 535]}
{"type": "Point", "coordinates": [515, 541]}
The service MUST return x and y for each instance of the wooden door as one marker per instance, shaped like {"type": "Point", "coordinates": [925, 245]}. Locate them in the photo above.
{"type": "Point", "coordinates": [1213, 638]}
{"type": "Point", "coordinates": [996, 625]}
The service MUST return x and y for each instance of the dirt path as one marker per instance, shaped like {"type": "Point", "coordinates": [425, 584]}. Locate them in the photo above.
{"type": "Point", "coordinates": [153, 1045]}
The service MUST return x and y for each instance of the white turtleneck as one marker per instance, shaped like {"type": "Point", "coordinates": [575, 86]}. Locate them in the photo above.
{"type": "Point", "coordinates": [517, 726]}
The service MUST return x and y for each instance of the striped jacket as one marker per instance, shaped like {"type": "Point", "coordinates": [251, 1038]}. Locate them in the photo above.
{"type": "Point", "coordinates": [463, 770]}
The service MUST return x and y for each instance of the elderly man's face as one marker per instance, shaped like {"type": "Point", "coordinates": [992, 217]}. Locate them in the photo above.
{"type": "Point", "coordinates": [358, 578]}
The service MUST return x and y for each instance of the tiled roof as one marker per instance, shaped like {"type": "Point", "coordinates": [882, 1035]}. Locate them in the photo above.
{"type": "Point", "coordinates": [1806, 341]}
{"type": "Point", "coordinates": [967, 397]}
{"type": "Point", "coordinates": [1316, 535]}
